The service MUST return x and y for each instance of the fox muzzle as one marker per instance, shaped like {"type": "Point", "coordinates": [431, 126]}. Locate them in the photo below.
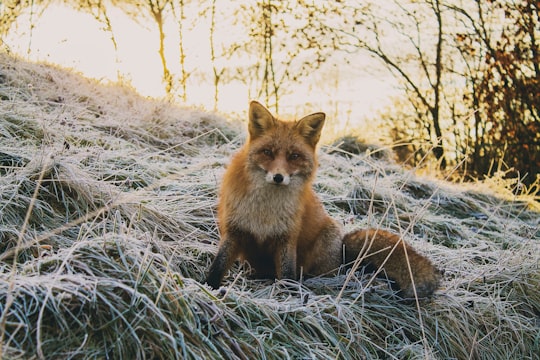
{"type": "Point", "coordinates": [278, 178]}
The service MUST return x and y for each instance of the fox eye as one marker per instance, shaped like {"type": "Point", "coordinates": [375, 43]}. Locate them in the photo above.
{"type": "Point", "coordinates": [294, 156]}
{"type": "Point", "coordinates": [267, 152]}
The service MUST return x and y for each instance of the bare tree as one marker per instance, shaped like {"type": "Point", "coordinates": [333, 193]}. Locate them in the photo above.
{"type": "Point", "coordinates": [10, 10]}
{"type": "Point", "coordinates": [98, 9]}
{"type": "Point", "coordinates": [179, 13]}
{"type": "Point", "coordinates": [291, 40]}
{"type": "Point", "coordinates": [156, 11]}
{"type": "Point", "coordinates": [471, 74]}
{"type": "Point", "coordinates": [408, 39]}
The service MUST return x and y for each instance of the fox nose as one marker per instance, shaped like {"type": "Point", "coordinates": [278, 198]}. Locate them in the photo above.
{"type": "Point", "coordinates": [278, 178]}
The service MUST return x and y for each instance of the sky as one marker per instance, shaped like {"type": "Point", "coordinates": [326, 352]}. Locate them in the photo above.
{"type": "Point", "coordinates": [76, 40]}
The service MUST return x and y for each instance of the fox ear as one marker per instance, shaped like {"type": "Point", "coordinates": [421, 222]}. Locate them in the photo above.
{"type": "Point", "coordinates": [260, 120]}
{"type": "Point", "coordinates": [310, 127]}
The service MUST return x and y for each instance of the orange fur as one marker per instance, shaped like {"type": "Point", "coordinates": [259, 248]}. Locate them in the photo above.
{"type": "Point", "coordinates": [269, 215]}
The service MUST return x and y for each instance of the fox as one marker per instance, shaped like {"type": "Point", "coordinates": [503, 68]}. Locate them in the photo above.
{"type": "Point", "coordinates": [270, 216]}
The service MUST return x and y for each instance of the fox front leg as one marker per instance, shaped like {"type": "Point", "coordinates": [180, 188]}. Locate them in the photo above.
{"type": "Point", "coordinates": [285, 261]}
{"type": "Point", "coordinates": [223, 261]}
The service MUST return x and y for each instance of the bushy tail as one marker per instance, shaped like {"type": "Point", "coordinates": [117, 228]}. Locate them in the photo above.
{"type": "Point", "coordinates": [378, 249]}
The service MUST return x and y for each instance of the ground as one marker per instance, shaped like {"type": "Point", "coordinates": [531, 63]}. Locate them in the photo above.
{"type": "Point", "coordinates": [107, 229]}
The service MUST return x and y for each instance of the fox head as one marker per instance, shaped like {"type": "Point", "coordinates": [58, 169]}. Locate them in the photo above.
{"type": "Point", "coordinates": [283, 151]}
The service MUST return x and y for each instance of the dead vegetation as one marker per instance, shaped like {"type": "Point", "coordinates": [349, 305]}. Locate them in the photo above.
{"type": "Point", "coordinates": [107, 229]}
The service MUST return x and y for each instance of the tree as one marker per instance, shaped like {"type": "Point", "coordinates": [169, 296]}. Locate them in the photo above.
{"type": "Point", "coordinates": [184, 75]}
{"type": "Point", "coordinates": [500, 50]}
{"type": "Point", "coordinates": [156, 11]}
{"type": "Point", "coordinates": [98, 9]}
{"type": "Point", "coordinates": [408, 39]}
{"type": "Point", "coordinates": [471, 73]}
{"type": "Point", "coordinates": [291, 40]}
{"type": "Point", "coordinates": [10, 10]}
{"type": "Point", "coordinates": [221, 53]}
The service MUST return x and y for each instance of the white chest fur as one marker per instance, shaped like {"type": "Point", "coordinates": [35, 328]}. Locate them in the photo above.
{"type": "Point", "coordinates": [267, 211]}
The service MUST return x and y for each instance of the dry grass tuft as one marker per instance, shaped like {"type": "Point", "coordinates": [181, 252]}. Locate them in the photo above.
{"type": "Point", "coordinates": [107, 229]}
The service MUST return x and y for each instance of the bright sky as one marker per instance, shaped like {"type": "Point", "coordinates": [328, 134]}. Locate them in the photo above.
{"type": "Point", "coordinates": [72, 39]}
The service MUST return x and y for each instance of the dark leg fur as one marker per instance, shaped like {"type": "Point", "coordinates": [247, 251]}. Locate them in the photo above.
{"type": "Point", "coordinates": [221, 264]}
{"type": "Point", "coordinates": [286, 258]}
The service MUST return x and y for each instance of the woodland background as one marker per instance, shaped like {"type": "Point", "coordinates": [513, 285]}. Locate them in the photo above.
{"type": "Point", "coordinates": [108, 197]}
{"type": "Point", "coordinates": [467, 72]}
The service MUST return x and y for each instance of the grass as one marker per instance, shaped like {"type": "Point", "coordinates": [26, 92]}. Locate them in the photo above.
{"type": "Point", "coordinates": [107, 229]}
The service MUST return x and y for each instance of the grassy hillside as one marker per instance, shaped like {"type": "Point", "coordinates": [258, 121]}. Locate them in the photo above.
{"type": "Point", "coordinates": [107, 228]}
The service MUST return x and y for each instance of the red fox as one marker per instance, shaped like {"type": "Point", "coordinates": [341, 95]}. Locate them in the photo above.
{"type": "Point", "coordinates": [269, 215]}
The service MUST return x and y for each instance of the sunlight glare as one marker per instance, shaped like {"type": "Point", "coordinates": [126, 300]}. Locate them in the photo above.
{"type": "Point", "coordinates": [76, 40]}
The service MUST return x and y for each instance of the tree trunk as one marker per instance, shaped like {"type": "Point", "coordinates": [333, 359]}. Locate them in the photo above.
{"type": "Point", "coordinates": [438, 150]}
{"type": "Point", "coordinates": [167, 78]}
